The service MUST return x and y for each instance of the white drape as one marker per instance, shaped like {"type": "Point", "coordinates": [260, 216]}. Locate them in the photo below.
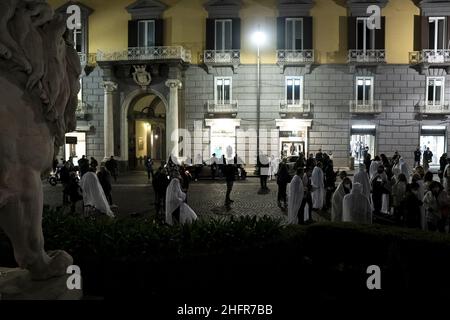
{"type": "Point", "coordinates": [93, 194]}
{"type": "Point", "coordinates": [318, 193]}
{"type": "Point", "coordinates": [336, 204]}
{"type": "Point", "coordinates": [362, 178]}
{"type": "Point", "coordinates": [175, 198]}
{"type": "Point", "coordinates": [404, 168]}
{"type": "Point", "coordinates": [295, 198]}
{"type": "Point", "coordinates": [373, 168]}
{"type": "Point", "coordinates": [356, 207]}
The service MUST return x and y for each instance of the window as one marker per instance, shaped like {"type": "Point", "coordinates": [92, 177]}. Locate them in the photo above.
{"type": "Point", "coordinates": [78, 39]}
{"type": "Point", "coordinates": [294, 90]}
{"type": "Point", "coordinates": [435, 91]}
{"type": "Point", "coordinates": [146, 33]}
{"type": "Point", "coordinates": [437, 33]}
{"type": "Point", "coordinates": [365, 37]}
{"type": "Point", "coordinates": [364, 91]}
{"type": "Point", "coordinates": [294, 34]}
{"type": "Point", "coordinates": [223, 38]}
{"type": "Point", "coordinates": [223, 90]}
{"type": "Point", "coordinates": [80, 93]}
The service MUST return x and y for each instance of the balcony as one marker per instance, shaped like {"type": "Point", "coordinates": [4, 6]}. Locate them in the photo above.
{"type": "Point", "coordinates": [81, 110]}
{"type": "Point", "coordinates": [295, 58]}
{"type": "Point", "coordinates": [430, 58]}
{"type": "Point", "coordinates": [146, 54]}
{"type": "Point", "coordinates": [288, 109]}
{"type": "Point", "coordinates": [222, 58]}
{"type": "Point", "coordinates": [433, 109]}
{"type": "Point", "coordinates": [366, 57]}
{"type": "Point", "coordinates": [365, 107]}
{"type": "Point", "coordinates": [87, 59]}
{"type": "Point", "coordinates": [215, 108]}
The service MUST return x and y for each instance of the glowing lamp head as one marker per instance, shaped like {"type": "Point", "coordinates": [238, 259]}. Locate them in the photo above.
{"type": "Point", "coordinates": [259, 38]}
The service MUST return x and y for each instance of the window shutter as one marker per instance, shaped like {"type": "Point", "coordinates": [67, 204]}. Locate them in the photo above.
{"type": "Point", "coordinates": [281, 29]}
{"type": "Point", "coordinates": [417, 33]}
{"type": "Point", "coordinates": [236, 33]}
{"type": "Point", "coordinates": [159, 32]}
{"type": "Point", "coordinates": [380, 42]}
{"type": "Point", "coordinates": [307, 33]}
{"type": "Point", "coordinates": [447, 21]}
{"type": "Point", "coordinates": [351, 31]}
{"type": "Point", "coordinates": [425, 30]}
{"type": "Point", "coordinates": [210, 33]}
{"type": "Point", "coordinates": [132, 33]}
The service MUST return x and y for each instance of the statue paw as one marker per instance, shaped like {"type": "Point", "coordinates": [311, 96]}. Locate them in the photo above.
{"type": "Point", "coordinates": [59, 261]}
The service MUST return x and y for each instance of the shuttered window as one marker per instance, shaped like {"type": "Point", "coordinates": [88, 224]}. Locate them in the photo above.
{"type": "Point", "coordinates": [436, 33]}
{"type": "Point", "coordinates": [146, 33]}
{"type": "Point", "coordinates": [223, 35]}
{"type": "Point", "coordinates": [294, 34]}
{"type": "Point", "coordinates": [435, 91]}
{"type": "Point", "coordinates": [294, 90]}
{"type": "Point", "coordinates": [222, 90]}
{"type": "Point", "coordinates": [364, 91]}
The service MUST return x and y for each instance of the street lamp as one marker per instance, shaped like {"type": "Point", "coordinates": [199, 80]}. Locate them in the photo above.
{"type": "Point", "coordinates": [259, 38]}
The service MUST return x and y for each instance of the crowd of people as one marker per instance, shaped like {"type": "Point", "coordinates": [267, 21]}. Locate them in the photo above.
{"type": "Point", "coordinates": [87, 182]}
{"type": "Point", "coordinates": [381, 188]}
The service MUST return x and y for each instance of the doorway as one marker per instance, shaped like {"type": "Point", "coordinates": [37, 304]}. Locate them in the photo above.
{"type": "Point", "coordinates": [433, 137]}
{"type": "Point", "coordinates": [75, 146]}
{"type": "Point", "coordinates": [146, 131]}
{"type": "Point", "coordinates": [362, 140]}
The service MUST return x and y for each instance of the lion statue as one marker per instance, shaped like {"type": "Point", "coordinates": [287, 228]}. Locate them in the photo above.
{"type": "Point", "coordinates": [39, 83]}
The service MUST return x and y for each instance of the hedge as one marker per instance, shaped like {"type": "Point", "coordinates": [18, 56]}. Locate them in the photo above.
{"type": "Point", "coordinates": [246, 257]}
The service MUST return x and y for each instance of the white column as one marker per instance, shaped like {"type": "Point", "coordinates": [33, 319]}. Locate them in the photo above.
{"type": "Point", "coordinates": [172, 119]}
{"type": "Point", "coordinates": [108, 124]}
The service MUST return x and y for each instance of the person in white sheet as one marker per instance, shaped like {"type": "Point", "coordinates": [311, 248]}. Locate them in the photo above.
{"type": "Point", "coordinates": [343, 189]}
{"type": "Point", "coordinates": [318, 188]}
{"type": "Point", "coordinates": [177, 210]}
{"type": "Point", "coordinates": [376, 162]}
{"type": "Point", "coordinates": [273, 169]}
{"type": "Point", "coordinates": [93, 195]}
{"type": "Point", "coordinates": [356, 207]}
{"type": "Point", "coordinates": [295, 198]}
{"type": "Point", "coordinates": [362, 178]}
{"type": "Point", "coordinates": [404, 168]}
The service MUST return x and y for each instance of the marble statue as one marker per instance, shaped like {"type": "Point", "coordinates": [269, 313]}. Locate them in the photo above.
{"type": "Point", "coordinates": [39, 83]}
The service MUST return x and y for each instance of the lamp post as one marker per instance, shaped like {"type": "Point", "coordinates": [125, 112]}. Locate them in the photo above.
{"type": "Point", "coordinates": [259, 38]}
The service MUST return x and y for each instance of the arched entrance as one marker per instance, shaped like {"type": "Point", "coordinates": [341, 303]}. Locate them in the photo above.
{"type": "Point", "coordinates": [146, 134]}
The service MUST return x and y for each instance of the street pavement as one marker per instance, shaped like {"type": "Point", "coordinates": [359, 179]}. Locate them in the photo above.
{"type": "Point", "coordinates": [133, 194]}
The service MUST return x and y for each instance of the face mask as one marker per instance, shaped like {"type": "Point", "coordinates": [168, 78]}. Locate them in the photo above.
{"type": "Point", "coordinates": [415, 192]}
{"type": "Point", "coordinates": [347, 186]}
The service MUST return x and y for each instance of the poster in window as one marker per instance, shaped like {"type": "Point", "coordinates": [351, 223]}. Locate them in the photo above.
{"type": "Point", "coordinates": [140, 143]}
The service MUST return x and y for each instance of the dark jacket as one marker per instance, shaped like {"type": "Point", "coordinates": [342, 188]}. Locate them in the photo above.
{"type": "Point", "coordinates": [229, 172]}
{"type": "Point", "coordinates": [283, 175]}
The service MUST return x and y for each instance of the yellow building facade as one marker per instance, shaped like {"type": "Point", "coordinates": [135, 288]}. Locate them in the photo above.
{"type": "Point", "coordinates": [323, 78]}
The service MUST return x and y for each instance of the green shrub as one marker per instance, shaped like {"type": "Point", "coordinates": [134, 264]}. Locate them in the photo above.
{"type": "Point", "coordinates": [245, 255]}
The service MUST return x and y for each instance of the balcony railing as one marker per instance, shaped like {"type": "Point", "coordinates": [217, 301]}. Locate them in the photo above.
{"type": "Point", "coordinates": [146, 53]}
{"type": "Point", "coordinates": [366, 56]}
{"type": "Point", "coordinates": [426, 108]}
{"type": "Point", "coordinates": [216, 107]}
{"type": "Point", "coordinates": [365, 107]}
{"type": "Point", "coordinates": [430, 56]}
{"type": "Point", "coordinates": [82, 110]}
{"type": "Point", "coordinates": [222, 57]}
{"type": "Point", "coordinates": [295, 57]}
{"type": "Point", "coordinates": [295, 107]}
{"type": "Point", "coordinates": [87, 59]}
